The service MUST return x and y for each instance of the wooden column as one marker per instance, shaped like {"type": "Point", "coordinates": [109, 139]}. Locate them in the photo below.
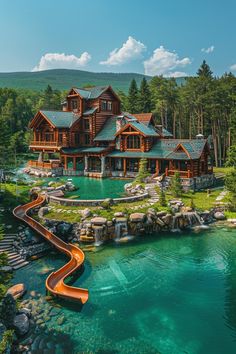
{"type": "Point", "coordinates": [124, 166]}
{"type": "Point", "coordinates": [65, 162]}
{"type": "Point", "coordinates": [157, 166]}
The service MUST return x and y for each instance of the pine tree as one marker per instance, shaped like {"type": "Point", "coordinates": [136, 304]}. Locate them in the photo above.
{"type": "Point", "coordinates": [145, 103]}
{"type": "Point", "coordinates": [142, 173]}
{"type": "Point", "coordinates": [162, 199]}
{"type": "Point", "coordinates": [175, 185]}
{"type": "Point", "coordinates": [204, 70]}
{"type": "Point", "coordinates": [133, 98]}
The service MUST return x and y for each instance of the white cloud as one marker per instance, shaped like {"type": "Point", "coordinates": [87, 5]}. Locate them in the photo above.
{"type": "Point", "coordinates": [208, 50]}
{"type": "Point", "coordinates": [62, 61]}
{"type": "Point", "coordinates": [130, 50]}
{"type": "Point", "coordinates": [233, 67]}
{"type": "Point", "coordinates": [163, 62]}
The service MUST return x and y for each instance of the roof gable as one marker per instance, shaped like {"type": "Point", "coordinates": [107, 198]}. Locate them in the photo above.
{"type": "Point", "coordinates": [145, 118]}
{"type": "Point", "coordinates": [58, 119]}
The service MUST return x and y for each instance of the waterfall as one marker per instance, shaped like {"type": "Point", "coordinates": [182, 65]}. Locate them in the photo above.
{"type": "Point", "coordinates": [193, 219]}
{"type": "Point", "coordinates": [98, 233]}
{"type": "Point", "coordinates": [175, 224]}
{"type": "Point", "coordinates": [121, 229]}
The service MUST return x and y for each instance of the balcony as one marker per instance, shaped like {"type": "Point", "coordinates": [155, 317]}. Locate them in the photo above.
{"type": "Point", "coordinates": [47, 144]}
{"type": "Point", "coordinates": [44, 164]}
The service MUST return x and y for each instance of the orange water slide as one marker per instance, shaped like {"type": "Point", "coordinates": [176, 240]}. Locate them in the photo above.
{"type": "Point", "coordinates": [55, 281]}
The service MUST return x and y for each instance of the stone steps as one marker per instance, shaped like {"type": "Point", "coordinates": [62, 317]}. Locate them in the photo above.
{"type": "Point", "coordinates": [20, 265]}
{"type": "Point", "coordinates": [13, 256]}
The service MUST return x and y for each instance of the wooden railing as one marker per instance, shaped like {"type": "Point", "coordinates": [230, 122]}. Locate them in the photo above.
{"type": "Point", "coordinates": [41, 164]}
{"type": "Point", "coordinates": [183, 174]}
{"type": "Point", "coordinates": [46, 143]}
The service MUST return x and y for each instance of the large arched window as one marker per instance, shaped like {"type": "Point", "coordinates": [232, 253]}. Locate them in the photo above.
{"type": "Point", "coordinates": [133, 142]}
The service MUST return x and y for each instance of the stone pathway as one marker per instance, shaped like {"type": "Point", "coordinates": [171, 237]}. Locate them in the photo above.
{"type": "Point", "coordinates": [220, 197]}
{"type": "Point", "coordinates": [15, 260]}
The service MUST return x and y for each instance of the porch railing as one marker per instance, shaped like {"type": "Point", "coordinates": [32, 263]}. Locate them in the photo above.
{"type": "Point", "coordinates": [46, 143]}
{"type": "Point", "coordinates": [183, 174]}
{"type": "Point", "coordinates": [42, 164]}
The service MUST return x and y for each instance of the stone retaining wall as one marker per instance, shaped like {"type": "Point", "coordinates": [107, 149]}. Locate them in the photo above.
{"type": "Point", "coordinates": [94, 202]}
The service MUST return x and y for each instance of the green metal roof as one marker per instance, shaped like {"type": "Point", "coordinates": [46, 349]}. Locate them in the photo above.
{"type": "Point", "coordinates": [83, 150]}
{"type": "Point", "coordinates": [91, 93]}
{"type": "Point", "coordinates": [146, 130]}
{"type": "Point", "coordinates": [108, 131]}
{"type": "Point", "coordinates": [165, 149]}
{"type": "Point", "coordinates": [166, 133]}
{"type": "Point", "coordinates": [61, 119]}
{"type": "Point", "coordinates": [90, 111]}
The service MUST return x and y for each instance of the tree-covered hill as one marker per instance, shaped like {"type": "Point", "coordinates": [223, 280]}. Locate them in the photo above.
{"type": "Point", "coordinates": [63, 79]}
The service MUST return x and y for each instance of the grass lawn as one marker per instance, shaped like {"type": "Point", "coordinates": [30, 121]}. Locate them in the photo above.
{"type": "Point", "coordinates": [223, 170]}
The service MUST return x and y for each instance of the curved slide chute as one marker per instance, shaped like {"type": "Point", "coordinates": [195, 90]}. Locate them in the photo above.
{"type": "Point", "coordinates": [55, 281]}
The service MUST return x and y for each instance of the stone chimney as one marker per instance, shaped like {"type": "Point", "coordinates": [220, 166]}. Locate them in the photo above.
{"type": "Point", "coordinates": [120, 122]}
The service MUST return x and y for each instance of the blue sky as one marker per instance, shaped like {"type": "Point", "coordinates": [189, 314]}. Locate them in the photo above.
{"type": "Point", "coordinates": [156, 37]}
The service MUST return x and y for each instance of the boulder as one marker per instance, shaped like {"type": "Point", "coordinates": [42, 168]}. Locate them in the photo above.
{"type": "Point", "coordinates": [43, 211]}
{"type": "Point", "coordinates": [6, 269]}
{"type": "Point", "coordinates": [21, 324]}
{"type": "Point", "coordinates": [151, 212]}
{"type": "Point", "coordinates": [86, 213]}
{"type": "Point", "coordinates": [219, 215]}
{"type": "Point", "coordinates": [118, 214]}
{"type": "Point", "coordinates": [17, 290]}
{"type": "Point", "coordinates": [64, 228]}
{"type": "Point", "coordinates": [159, 214]}
{"type": "Point", "coordinates": [137, 217]}
{"type": "Point", "coordinates": [160, 222]}
{"type": "Point", "coordinates": [26, 311]}
{"type": "Point", "coordinates": [98, 220]}
{"type": "Point", "coordinates": [167, 219]}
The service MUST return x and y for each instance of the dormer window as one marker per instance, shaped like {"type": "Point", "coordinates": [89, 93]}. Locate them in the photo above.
{"type": "Point", "coordinates": [74, 104]}
{"type": "Point", "coordinates": [104, 105]}
{"type": "Point", "coordinates": [109, 105]}
{"type": "Point", "coordinates": [133, 142]}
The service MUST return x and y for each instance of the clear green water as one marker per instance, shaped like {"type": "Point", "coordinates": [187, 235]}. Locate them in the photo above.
{"type": "Point", "coordinates": [171, 294]}
{"type": "Point", "coordinates": [95, 188]}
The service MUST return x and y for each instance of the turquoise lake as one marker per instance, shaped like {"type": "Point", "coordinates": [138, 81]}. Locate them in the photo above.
{"type": "Point", "coordinates": [168, 294]}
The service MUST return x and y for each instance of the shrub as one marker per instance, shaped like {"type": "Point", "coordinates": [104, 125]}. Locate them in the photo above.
{"type": "Point", "coordinates": [162, 199]}
{"type": "Point", "coordinates": [175, 185]}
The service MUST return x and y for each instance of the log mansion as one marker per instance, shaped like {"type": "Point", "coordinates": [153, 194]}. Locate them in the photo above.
{"type": "Point", "coordinates": [92, 137]}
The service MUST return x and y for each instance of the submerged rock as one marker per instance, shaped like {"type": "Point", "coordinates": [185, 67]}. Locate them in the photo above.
{"type": "Point", "coordinates": [17, 290]}
{"type": "Point", "coordinates": [21, 324]}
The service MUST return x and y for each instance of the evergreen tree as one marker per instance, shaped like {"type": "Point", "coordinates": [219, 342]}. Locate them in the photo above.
{"type": "Point", "coordinates": [230, 183]}
{"type": "Point", "coordinates": [204, 70]}
{"type": "Point", "coordinates": [175, 185]}
{"type": "Point", "coordinates": [162, 199]}
{"type": "Point", "coordinates": [133, 98]}
{"type": "Point", "coordinates": [231, 157]}
{"type": "Point", "coordinates": [142, 173]}
{"type": "Point", "coordinates": [145, 103]}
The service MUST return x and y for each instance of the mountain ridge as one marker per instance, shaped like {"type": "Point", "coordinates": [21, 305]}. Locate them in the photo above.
{"type": "Point", "coordinates": [64, 79]}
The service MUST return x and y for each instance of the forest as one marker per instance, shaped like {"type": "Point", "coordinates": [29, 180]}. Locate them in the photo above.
{"type": "Point", "coordinates": [203, 104]}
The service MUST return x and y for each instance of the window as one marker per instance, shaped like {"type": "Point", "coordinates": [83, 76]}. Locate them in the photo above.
{"type": "Point", "coordinates": [109, 106]}
{"type": "Point", "coordinates": [74, 104]}
{"type": "Point", "coordinates": [133, 142]}
{"type": "Point", "coordinates": [86, 139]}
{"type": "Point", "coordinates": [104, 106]}
{"type": "Point", "coordinates": [49, 136]}
{"type": "Point", "coordinates": [86, 124]}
